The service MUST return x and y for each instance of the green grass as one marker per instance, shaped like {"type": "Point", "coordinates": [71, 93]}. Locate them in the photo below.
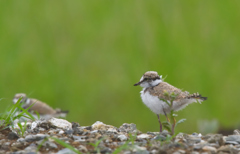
{"type": "Point", "coordinates": [85, 56]}
{"type": "Point", "coordinates": [15, 112]}
{"type": "Point", "coordinates": [22, 128]}
{"type": "Point", "coordinates": [95, 145]}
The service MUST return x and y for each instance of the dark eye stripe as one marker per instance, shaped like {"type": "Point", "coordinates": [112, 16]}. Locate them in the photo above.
{"type": "Point", "coordinates": [145, 79]}
{"type": "Point", "coordinates": [156, 78]}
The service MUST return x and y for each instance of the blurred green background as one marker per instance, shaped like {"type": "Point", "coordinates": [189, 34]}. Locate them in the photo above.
{"type": "Point", "coordinates": [85, 56]}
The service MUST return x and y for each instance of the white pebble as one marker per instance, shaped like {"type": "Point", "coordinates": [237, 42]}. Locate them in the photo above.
{"type": "Point", "coordinates": [60, 123]}
{"type": "Point", "coordinates": [34, 125]}
{"type": "Point", "coordinates": [61, 132]}
{"type": "Point", "coordinates": [143, 136]}
{"type": "Point", "coordinates": [122, 137]}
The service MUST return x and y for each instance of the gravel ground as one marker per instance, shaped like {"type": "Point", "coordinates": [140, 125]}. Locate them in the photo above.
{"type": "Point", "coordinates": [102, 138]}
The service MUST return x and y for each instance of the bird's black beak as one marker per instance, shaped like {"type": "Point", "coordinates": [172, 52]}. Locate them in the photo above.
{"type": "Point", "coordinates": [136, 84]}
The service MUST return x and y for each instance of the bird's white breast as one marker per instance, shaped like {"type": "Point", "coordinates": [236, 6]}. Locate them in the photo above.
{"type": "Point", "coordinates": [153, 102]}
{"type": "Point", "coordinates": [159, 107]}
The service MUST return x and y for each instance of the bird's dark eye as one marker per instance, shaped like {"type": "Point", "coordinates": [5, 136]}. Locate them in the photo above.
{"type": "Point", "coordinates": [146, 79]}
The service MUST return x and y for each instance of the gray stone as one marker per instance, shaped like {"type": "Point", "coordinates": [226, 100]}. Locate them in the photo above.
{"type": "Point", "coordinates": [17, 144]}
{"type": "Point", "coordinates": [226, 148]}
{"type": "Point", "coordinates": [128, 128]}
{"type": "Point", "coordinates": [159, 138]}
{"type": "Point", "coordinates": [216, 145]}
{"type": "Point", "coordinates": [60, 123]}
{"type": "Point", "coordinates": [106, 150]}
{"type": "Point", "coordinates": [231, 142]}
{"type": "Point", "coordinates": [164, 133]}
{"type": "Point", "coordinates": [194, 152]}
{"type": "Point", "coordinates": [30, 138]}
{"type": "Point", "coordinates": [208, 148]}
{"type": "Point", "coordinates": [122, 137]}
{"type": "Point", "coordinates": [64, 138]}
{"type": "Point", "coordinates": [12, 136]}
{"type": "Point", "coordinates": [66, 151]}
{"type": "Point", "coordinates": [180, 151]}
{"type": "Point", "coordinates": [21, 140]}
{"type": "Point", "coordinates": [44, 124]}
{"type": "Point", "coordinates": [50, 145]}
{"type": "Point", "coordinates": [75, 125]}
{"type": "Point", "coordinates": [31, 148]}
{"type": "Point", "coordinates": [197, 146]}
{"type": "Point", "coordinates": [78, 130]}
{"type": "Point", "coordinates": [192, 139]}
{"type": "Point", "coordinates": [235, 138]}
{"type": "Point", "coordinates": [78, 137]}
{"type": "Point", "coordinates": [68, 131]}
{"type": "Point", "coordinates": [94, 131]}
{"type": "Point", "coordinates": [180, 138]}
{"type": "Point", "coordinates": [216, 138]}
{"type": "Point", "coordinates": [41, 129]}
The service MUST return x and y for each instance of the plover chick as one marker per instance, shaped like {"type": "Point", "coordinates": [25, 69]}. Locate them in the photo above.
{"type": "Point", "coordinates": [155, 91]}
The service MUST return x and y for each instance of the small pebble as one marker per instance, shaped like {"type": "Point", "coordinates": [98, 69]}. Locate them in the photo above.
{"type": "Point", "coordinates": [208, 148]}
{"type": "Point", "coordinates": [61, 132]}
{"type": "Point", "coordinates": [60, 123]}
{"type": "Point", "coordinates": [122, 137]}
{"type": "Point", "coordinates": [12, 136]}
{"type": "Point", "coordinates": [143, 136]}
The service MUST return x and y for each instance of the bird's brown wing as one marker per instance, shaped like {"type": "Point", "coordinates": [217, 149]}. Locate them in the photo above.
{"type": "Point", "coordinates": [40, 107]}
{"type": "Point", "coordinates": [163, 90]}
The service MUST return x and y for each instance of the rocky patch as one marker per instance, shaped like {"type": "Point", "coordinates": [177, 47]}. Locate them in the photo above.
{"type": "Point", "coordinates": [102, 138]}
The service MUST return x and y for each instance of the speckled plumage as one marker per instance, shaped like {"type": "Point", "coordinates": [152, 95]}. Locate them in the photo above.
{"type": "Point", "coordinates": [40, 107]}
{"type": "Point", "coordinates": [154, 90]}
{"type": "Point", "coordinates": [164, 87]}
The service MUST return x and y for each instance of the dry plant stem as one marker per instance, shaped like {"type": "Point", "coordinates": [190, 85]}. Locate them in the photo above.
{"type": "Point", "coordinates": [167, 118]}
{"type": "Point", "coordinates": [159, 123]}
{"type": "Point", "coordinates": [166, 115]}
{"type": "Point", "coordinates": [173, 126]}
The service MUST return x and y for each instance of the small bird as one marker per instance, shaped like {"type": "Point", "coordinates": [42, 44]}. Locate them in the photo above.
{"type": "Point", "coordinates": [154, 93]}
{"type": "Point", "coordinates": [43, 109]}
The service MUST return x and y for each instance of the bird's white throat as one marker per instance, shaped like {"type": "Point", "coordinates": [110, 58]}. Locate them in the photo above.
{"type": "Point", "coordinates": [153, 83]}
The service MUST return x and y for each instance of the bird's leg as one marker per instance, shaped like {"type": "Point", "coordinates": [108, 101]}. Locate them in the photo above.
{"type": "Point", "coordinates": [159, 123]}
